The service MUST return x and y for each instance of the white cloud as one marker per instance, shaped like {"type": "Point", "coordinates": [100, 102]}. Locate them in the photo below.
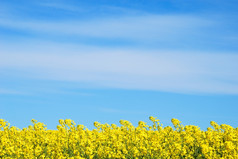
{"type": "Point", "coordinates": [186, 72]}
{"type": "Point", "coordinates": [173, 71]}
{"type": "Point", "coordinates": [144, 27]}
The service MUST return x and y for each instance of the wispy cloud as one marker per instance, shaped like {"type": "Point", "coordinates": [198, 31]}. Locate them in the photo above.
{"type": "Point", "coordinates": [162, 70]}
{"type": "Point", "coordinates": [136, 27]}
{"type": "Point", "coordinates": [149, 30]}
{"type": "Point", "coordinates": [187, 72]}
{"type": "Point", "coordinates": [13, 92]}
{"type": "Point", "coordinates": [118, 111]}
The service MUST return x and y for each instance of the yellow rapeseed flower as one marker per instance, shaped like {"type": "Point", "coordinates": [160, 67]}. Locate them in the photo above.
{"type": "Point", "coordinates": [120, 142]}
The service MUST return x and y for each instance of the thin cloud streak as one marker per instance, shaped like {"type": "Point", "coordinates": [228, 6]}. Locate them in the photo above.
{"type": "Point", "coordinates": [118, 111]}
{"type": "Point", "coordinates": [12, 92]}
{"type": "Point", "coordinates": [134, 28]}
{"type": "Point", "coordinates": [183, 72]}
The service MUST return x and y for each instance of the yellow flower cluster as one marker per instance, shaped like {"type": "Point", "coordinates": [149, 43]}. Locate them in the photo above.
{"type": "Point", "coordinates": [112, 141]}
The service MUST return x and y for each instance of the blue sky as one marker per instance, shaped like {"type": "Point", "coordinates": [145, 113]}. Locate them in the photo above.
{"type": "Point", "coordinates": [109, 60]}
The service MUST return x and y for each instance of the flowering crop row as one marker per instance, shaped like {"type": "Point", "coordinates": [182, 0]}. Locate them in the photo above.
{"type": "Point", "coordinates": [112, 141]}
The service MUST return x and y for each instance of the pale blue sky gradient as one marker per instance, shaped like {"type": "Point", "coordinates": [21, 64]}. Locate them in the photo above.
{"type": "Point", "coordinates": [110, 60]}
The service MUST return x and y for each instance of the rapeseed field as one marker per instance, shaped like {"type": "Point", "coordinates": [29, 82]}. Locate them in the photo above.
{"type": "Point", "coordinates": [124, 141]}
